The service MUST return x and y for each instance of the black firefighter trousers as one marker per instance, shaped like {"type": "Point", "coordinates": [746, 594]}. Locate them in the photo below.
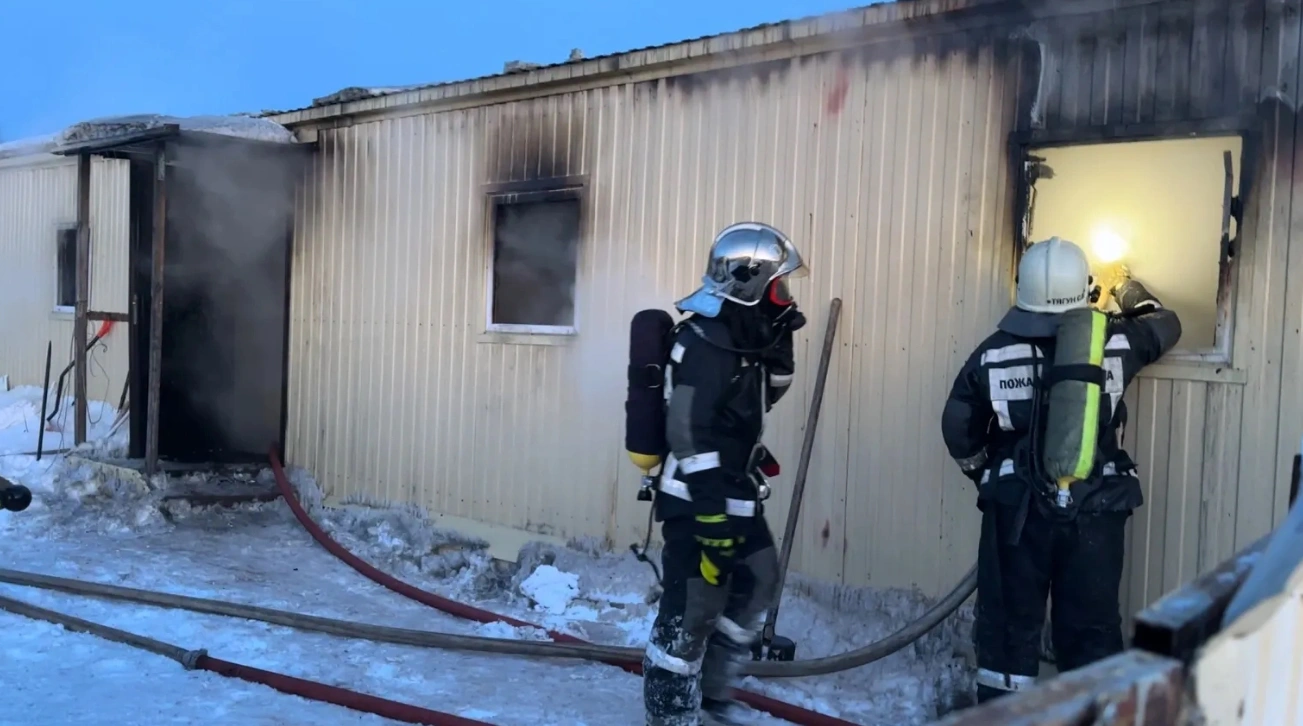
{"type": "Point", "coordinates": [1025, 556]}
{"type": "Point", "coordinates": [702, 632]}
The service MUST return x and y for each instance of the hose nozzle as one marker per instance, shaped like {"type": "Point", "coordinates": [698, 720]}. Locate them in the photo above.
{"type": "Point", "coordinates": [14, 497]}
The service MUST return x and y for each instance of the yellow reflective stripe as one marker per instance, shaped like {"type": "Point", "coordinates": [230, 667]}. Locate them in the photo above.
{"type": "Point", "coordinates": [709, 570]}
{"type": "Point", "coordinates": [718, 544]}
{"type": "Point", "coordinates": [712, 518]}
{"type": "Point", "coordinates": [1090, 417]}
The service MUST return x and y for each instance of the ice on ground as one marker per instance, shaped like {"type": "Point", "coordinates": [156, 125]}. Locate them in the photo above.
{"type": "Point", "coordinates": [87, 523]}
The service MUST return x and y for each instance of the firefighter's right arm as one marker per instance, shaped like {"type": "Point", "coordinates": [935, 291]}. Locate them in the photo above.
{"type": "Point", "coordinates": [966, 419]}
{"type": "Point", "coordinates": [1151, 329]}
{"type": "Point", "coordinates": [701, 380]}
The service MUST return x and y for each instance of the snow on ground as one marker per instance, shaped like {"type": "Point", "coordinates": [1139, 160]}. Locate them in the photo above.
{"type": "Point", "coordinates": [85, 523]}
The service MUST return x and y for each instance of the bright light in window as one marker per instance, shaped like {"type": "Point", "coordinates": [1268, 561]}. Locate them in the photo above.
{"type": "Point", "coordinates": [1108, 245]}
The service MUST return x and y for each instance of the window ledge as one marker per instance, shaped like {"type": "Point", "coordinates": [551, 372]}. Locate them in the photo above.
{"type": "Point", "coordinates": [62, 313]}
{"type": "Point", "coordinates": [1184, 370]}
{"type": "Point", "coordinates": [563, 336]}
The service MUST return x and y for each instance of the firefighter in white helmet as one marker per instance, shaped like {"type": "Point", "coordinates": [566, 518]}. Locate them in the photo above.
{"type": "Point", "coordinates": [1033, 546]}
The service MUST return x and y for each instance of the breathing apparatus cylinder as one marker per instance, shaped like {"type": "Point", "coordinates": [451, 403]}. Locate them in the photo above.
{"type": "Point", "coordinates": [1075, 384]}
{"type": "Point", "coordinates": [644, 406]}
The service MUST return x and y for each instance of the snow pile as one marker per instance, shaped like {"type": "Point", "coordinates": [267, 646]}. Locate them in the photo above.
{"type": "Point", "coordinates": [551, 589]}
{"type": "Point", "coordinates": [20, 417]}
{"type": "Point", "coordinates": [69, 496]}
{"type": "Point", "coordinates": [19, 414]}
{"type": "Point", "coordinates": [400, 540]}
{"type": "Point", "coordinates": [244, 127]}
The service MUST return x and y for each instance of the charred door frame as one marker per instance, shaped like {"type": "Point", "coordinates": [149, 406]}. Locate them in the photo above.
{"type": "Point", "coordinates": [147, 151]}
{"type": "Point", "coordinates": [1023, 144]}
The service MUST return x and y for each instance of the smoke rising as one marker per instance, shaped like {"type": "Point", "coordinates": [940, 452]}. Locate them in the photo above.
{"type": "Point", "coordinates": [230, 211]}
{"type": "Point", "coordinates": [535, 262]}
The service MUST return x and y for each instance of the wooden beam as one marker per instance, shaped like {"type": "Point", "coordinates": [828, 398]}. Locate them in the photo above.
{"type": "Point", "coordinates": [1140, 688]}
{"type": "Point", "coordinates": [100, 316]}
{"type": "Point", "coordinates": [156, 310]}
{"type": "Point", "coordinates": [1183, 620]}
{"type": "Point", "coordinates": [82, 299]}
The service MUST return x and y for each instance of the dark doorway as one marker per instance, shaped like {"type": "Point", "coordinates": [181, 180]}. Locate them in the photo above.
{"type": "Point", "coordinates": [230, 210]}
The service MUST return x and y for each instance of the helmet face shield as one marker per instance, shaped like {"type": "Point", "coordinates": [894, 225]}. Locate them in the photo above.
{"type": "Point", "coordinates": [779, 294]}
{"type": "Point", "coordinates": [795, 265]}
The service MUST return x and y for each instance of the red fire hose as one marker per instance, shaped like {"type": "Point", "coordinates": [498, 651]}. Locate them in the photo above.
{"type": "Point", "coordinates": [315, 691]}
{"type": "Point", "coordinates": [780, 709]}
{"type": "Point", "coordinates": [200, 660]}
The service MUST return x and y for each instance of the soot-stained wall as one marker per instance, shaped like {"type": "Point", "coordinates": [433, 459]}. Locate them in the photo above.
{"type": "Point", "coordinates": [890, 165]}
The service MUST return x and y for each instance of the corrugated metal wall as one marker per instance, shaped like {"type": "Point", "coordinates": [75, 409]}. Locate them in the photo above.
{"type": "Point", "coordinates": [888, 169]}
{"type": "Point", "coordinates": [35, 201]}
{"type": "Point", "coordinates": [1213, 445]}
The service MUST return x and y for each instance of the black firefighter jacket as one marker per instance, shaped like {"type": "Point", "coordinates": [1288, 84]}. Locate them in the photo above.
{"type": "Point", "coordinates": [989, 411]}
{"type": "Point", "coordinates": [717, 401]}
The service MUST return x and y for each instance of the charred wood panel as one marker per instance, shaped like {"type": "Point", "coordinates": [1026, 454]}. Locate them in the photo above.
{"type": "Point", "coordinates": [1156, 64]}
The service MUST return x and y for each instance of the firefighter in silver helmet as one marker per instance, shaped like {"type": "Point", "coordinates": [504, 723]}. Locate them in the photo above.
{"type": "Point", "coordinates": [730, 361]}
{"type": "Point", "coordinates": [1042, 535]}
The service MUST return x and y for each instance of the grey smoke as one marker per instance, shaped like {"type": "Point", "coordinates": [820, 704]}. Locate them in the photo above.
{"type": "Point", "coordinates": [535, 262]}
{"type": "Point", "coordinates": [230, 210]}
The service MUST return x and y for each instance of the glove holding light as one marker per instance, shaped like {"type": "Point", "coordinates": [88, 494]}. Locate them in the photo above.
{"type": "Point", "coordinates": [1109, 248]}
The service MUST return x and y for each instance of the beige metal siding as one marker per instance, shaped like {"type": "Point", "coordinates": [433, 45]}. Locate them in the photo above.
{"type": "Point", "coordinates": [898, 194]}
{"type": "Point", "coordinates": [901, 196]}
{"type": "Point", "coordinates": [35, 200]}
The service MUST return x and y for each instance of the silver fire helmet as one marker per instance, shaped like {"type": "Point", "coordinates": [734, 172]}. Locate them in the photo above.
{"type": "Point", "coordinates": [745, 258]}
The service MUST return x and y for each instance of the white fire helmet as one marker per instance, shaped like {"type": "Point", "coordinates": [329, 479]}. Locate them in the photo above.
{"type": "Point", "coordinates": [1053, 276]}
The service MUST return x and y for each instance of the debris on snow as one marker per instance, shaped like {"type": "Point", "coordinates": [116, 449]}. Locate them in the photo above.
{"type": "Point", "coordinates": [550, 588]}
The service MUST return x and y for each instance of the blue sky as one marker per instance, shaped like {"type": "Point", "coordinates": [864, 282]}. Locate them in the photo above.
{"type": "Point", "coordinates": [63, 62]}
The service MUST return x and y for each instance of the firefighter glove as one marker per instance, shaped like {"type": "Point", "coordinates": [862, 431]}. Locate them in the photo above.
{"type": "Point", "coordinates": [714, 535]}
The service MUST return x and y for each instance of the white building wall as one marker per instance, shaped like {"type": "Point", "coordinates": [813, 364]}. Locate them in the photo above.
{"type": "Point", "coordinates": [38, 195]}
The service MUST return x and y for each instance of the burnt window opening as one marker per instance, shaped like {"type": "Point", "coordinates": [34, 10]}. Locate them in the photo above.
{"type": "Point", "coordinates": [66, 263]}
{"type": "Point", "coordinates": [535, 262]}
{"type": "Point", "coordinates": [1168, 209]}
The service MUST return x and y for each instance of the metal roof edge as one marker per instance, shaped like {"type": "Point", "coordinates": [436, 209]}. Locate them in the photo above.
{"type": "Point", "coordinates": [788, 38]}
{"type": "Point", "coordinates": [101, 144]}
